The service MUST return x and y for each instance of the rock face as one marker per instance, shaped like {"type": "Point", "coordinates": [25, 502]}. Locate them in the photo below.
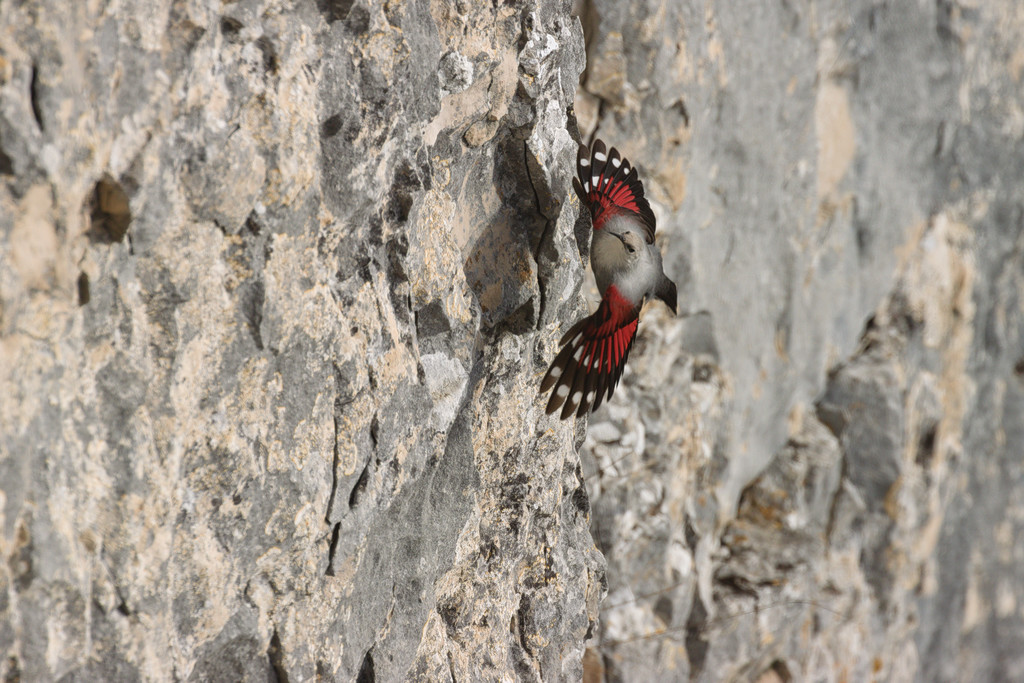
{"type": "Point", "coordinates": [278, 282]}
{"type": "Point", "coordinates": [815, 474]}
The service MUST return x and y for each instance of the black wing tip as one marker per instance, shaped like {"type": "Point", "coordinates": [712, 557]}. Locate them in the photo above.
{"type": "Point", "coordinates": [644, 206]}
{"type": "Point", "coordinates": [568, 375]}
{"type": "Point", "coordinates": [567, 410]}
{"type": "Point", "coordinates": [578, 186]}
{"type": "Point", "coordinates": [553, 404]}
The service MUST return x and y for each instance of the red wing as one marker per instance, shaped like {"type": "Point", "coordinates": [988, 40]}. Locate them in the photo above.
{"type": "Point", "coordinates": [607, 184]}
{"type": "Point", "coordinates": [593, 354]}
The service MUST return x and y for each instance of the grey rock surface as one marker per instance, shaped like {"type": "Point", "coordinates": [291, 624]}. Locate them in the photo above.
{"type": "Point", "coordinates": [815, 474]}
{"type": "Point", "coordinates": [278, 282]}
{"type": "Point", "coordinates": [270, 333]}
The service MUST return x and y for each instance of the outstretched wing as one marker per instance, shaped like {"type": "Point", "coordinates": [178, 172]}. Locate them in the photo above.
{"type": "Point", "coordinates": [607, 184]}
{"type": "Point", "coordinates": [593, 354]}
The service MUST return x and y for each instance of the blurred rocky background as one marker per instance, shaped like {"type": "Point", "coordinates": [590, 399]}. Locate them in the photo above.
{"type": "Point", "coordinates": [278, 282]}
{"type": "Point", "coordinates": [815, 473]}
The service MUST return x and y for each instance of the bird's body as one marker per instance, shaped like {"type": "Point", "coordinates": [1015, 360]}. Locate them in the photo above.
{"type": "Point", "coordinates": [632, 272]}
{"type": "Point", "coordinates": [627, 268]}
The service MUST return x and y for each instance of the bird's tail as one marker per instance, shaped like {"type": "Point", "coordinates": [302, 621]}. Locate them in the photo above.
{"type": "Point", "coordinates": [666, 291]}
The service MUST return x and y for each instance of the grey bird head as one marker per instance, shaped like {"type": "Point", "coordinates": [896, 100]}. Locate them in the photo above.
{"type": "Point", "coordinates": [622, 255]}
{"type": "Point", "coordinates": [645, 260]}
{"type": "Point", "coordinates": [633, 246]}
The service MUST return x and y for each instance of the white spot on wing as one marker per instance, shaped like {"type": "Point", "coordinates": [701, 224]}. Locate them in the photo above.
{"type": "Point", "coordinates": [562, 391]}
{"type": "Point", "coordinates": [584, 162]}
{"type": "Point", "coordinates": [579, 352]}
{"type": "Point", "coordinates": [590, 396]}
{"type": "Point", "coordinates": [586, 186]}
{"type": "Point", "coordinates": [616, 162]}
{"type": "Point", "coordinates": [594, 180]}
{"type": "Point", "coordinates": [577, 396]}
{"type": "Point", "coordinates": [555, 371]}
{"type": "Point", "coordinates": [600, 156]}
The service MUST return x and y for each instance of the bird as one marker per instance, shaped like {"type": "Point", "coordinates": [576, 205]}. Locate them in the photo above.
{"type": "Point", "coordinates": [628, 269]}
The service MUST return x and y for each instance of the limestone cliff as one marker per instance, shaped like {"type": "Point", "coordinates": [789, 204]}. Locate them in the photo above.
{"type": "Point", "coordinates": [815, 474]}
{"type": "Point", "coordinates": [278, 281]}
